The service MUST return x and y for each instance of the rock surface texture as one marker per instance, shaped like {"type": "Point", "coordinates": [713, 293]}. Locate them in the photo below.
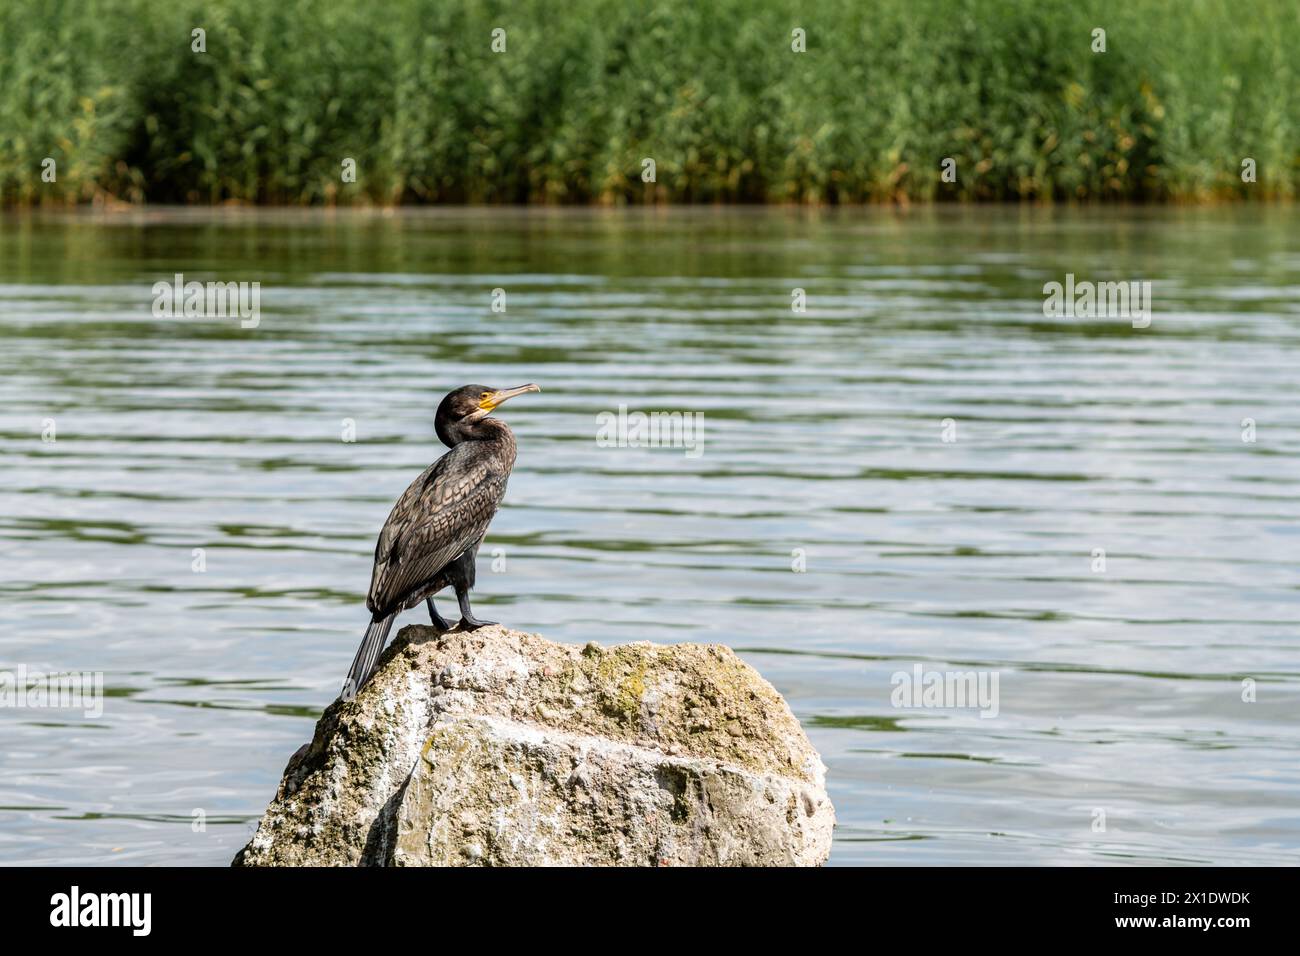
{"type": "Point", "coordinates": [496, 747]}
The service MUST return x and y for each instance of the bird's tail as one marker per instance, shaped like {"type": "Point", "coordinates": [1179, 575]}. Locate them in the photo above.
{"type": "Point", "coordinates": [367, 654]}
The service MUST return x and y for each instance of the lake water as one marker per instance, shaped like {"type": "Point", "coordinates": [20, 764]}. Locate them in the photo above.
{"type": "Point", "coordinates": [1120, 691]}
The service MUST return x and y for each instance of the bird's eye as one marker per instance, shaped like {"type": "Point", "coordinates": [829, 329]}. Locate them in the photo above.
{"type": "Point", "coordinates": [486, 395]}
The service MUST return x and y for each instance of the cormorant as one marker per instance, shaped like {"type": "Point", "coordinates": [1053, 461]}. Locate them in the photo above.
{"type": "Point", "coordinates": [431, 539]}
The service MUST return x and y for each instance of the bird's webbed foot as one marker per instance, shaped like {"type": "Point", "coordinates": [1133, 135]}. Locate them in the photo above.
{"type": "Point", "coordinates": [468, 622]}
{"type": "Point", "coordinates": [436, 619]}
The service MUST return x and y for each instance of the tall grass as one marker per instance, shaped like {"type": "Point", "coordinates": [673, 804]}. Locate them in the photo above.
{"type": "Point", "coordinates": [588, 89]}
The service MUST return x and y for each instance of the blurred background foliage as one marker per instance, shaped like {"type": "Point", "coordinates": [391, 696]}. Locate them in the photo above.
{"type": "Point", "coordinates": [587, 89]}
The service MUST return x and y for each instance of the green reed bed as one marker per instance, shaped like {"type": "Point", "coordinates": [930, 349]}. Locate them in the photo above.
{"type": "Point", "coordinates": [586, 90]}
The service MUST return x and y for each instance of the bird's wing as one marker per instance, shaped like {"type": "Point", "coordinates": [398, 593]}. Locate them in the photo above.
{"type": "Point", "coordinates": [443, 512]}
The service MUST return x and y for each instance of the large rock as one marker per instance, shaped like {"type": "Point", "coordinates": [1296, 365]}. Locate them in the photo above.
{"type": "Point", "coordinates": [503, 748]}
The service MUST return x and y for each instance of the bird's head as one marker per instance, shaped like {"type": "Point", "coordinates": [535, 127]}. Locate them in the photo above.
{"type": "Point", "coordinates": [462, 408]}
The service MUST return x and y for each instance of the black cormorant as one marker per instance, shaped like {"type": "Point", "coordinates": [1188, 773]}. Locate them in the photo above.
{"type": "Point", "coordinates": [431, 539]}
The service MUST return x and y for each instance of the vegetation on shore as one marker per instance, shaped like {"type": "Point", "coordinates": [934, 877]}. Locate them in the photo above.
{"type": "Point", "coordinates": [587, 90]}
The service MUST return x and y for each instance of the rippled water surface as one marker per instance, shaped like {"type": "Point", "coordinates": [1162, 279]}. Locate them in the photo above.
{"type": "Point", "coordinates": [1120, 691]}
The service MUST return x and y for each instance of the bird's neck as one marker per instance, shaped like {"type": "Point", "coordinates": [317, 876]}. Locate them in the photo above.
{"type": "Point", "coordinates": [491, 430]}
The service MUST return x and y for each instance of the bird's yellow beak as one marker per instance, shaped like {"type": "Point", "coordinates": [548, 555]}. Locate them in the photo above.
{"type": "Point", "coordinates": [492, 399]}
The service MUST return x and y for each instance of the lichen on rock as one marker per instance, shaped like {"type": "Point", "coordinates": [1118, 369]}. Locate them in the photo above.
{"type": "Point", "coordinates": [503, 748]}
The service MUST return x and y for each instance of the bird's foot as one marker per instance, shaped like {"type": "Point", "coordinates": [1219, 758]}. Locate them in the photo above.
{"type": "Point", "coordinates": [468, 622]}
{"type": "Point", "coordinates": [436, 619]}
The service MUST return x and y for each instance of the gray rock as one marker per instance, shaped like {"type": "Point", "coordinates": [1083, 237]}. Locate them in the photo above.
{"type": "Point", "coordinates": [502, 748]}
